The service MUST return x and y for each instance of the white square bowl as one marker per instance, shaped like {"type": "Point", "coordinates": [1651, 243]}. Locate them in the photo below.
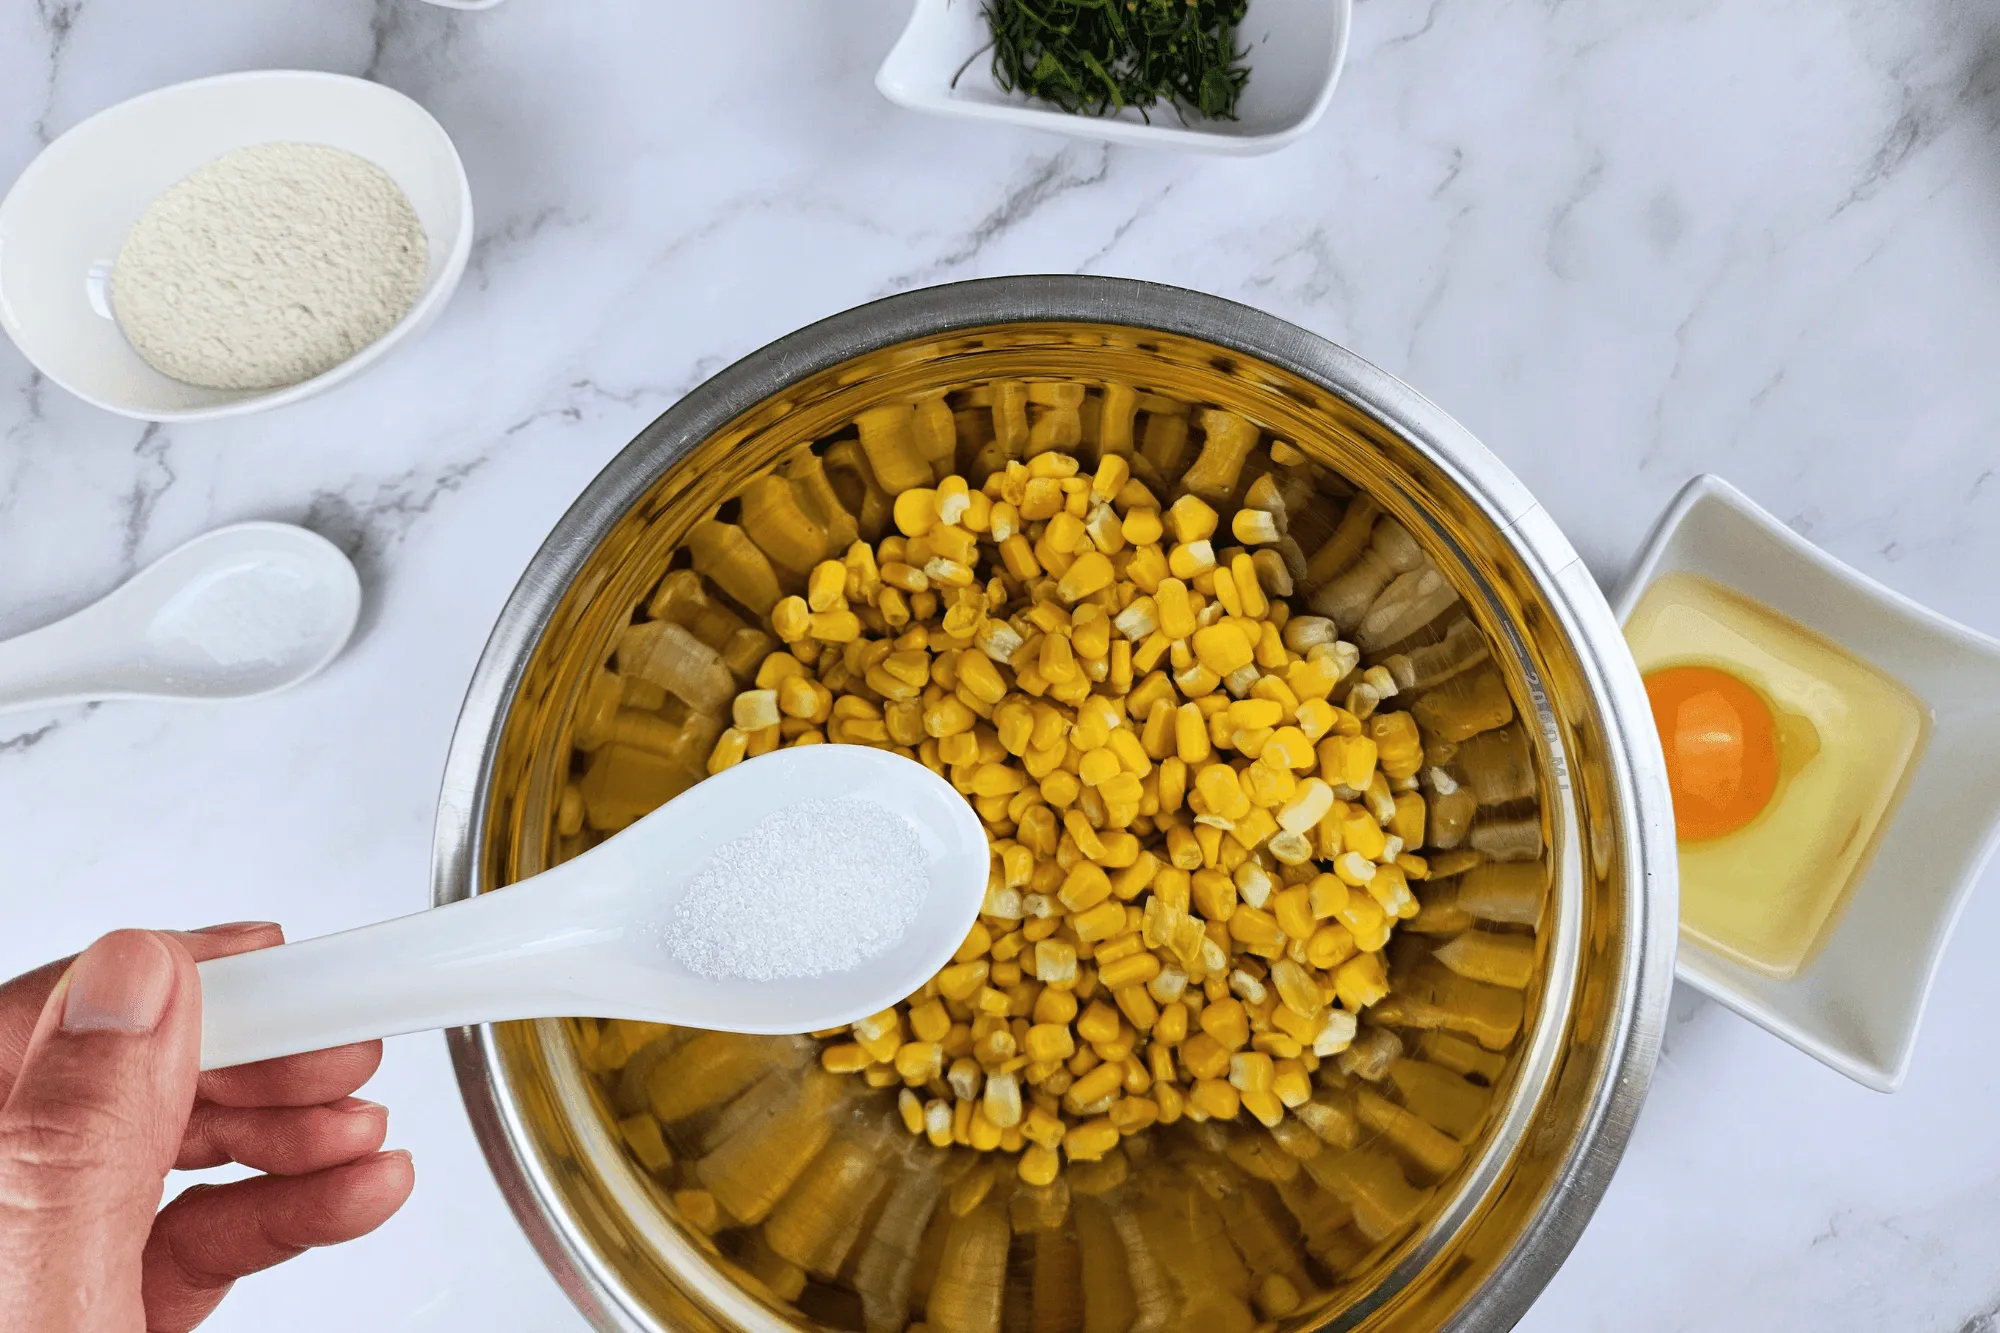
{"type": "Point", "coordinates": [942, 64]}
{"type": "Point", "coordinates": [1858, 1003]}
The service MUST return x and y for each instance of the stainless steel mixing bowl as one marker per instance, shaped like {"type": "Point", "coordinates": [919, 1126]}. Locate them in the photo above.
{"type": "Point", "coordinates": [1495, 1230]}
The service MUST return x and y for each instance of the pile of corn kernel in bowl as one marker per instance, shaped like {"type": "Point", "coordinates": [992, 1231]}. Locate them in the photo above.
{"type": "Point", "coordinates": [1267, 859]}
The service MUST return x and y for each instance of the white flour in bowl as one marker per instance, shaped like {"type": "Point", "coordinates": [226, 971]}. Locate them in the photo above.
{"type": "Point", "coordinates": [270, 265]}
{"type": "Point", "coordinates": [818, 887]}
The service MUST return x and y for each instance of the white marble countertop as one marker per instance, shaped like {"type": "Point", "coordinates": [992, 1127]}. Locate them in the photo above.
{"type": "Point", "coordinates": [1623, 242]}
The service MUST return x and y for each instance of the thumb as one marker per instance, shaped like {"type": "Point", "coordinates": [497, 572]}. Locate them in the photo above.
{"type": "Point", "coordinates": [90, 1129]}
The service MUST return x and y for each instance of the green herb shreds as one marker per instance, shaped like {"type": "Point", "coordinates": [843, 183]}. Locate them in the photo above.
{"type": "Point", "coordinates": [1096, 56]}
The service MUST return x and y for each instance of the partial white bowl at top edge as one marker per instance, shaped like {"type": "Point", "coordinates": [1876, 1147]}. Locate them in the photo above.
{"type": "Point", "coordinates": [62, 223]}
{"type": "Point", "coordinates": [1858, 1003]}
{"type": "Point", "coordinates": [943, 64]}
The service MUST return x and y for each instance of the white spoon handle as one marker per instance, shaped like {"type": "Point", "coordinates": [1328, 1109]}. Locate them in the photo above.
{"type": "Point", "coordinates": [491, 958]}
{"type": "Point", "coordinates": [44, 667]}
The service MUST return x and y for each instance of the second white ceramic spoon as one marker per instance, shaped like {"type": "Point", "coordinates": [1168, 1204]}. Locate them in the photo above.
{"type": "Point", "coordinates": [594, 935]}
{"type": "Point", "coordinates": [238, 612]}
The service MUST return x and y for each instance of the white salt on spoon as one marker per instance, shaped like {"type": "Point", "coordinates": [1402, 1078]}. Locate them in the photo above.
{"type": "Point", "coordinates": [800, 890]}
{"type": "Point", "coordinates": [237, 612]}
{"type": "Point", "coordinates": [814, 888]}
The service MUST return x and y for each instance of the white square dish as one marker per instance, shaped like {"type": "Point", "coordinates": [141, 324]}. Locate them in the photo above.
{"type": "Point", "coordinates": [1858, 1003]}
{"type": "Point", "coordinates": [942, 64]}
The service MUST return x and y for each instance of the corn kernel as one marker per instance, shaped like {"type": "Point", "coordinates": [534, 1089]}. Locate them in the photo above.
{"type": "Point", "coordinates": [1214, 1098]}
{"type": "Point", "coordinates": [1129, 1115]}
{"type": "Point", "coordinates": [845, 1058]}
{"type": "Point", "coordinates": [1227, 1022]}
{"type": "Point", "coordinates": [1100, 922]}
{"type": "Point", "coordinates": [1277, 1296]}
{"type": "Point", "coordinates": [1250, 1071]}
{"type": "Point", "coordinates": [730, 748]}
{"type": "Point", "coordinates": [1133, 970]}
{"type": "Point", "coordinates": [962, 980]}
{"type": "Point", "coordinates": [1055, 1006]}
{"type": "Point", "coordinates": [1174, 609]}
{"type": "Point", "coordinates": [1293, 910]}
{"type": "Point", "coordinates": [1223, 648]}
{"type": "Point", "coordinates": [915, 511]}
{"type": "Point", "coordinates": [1091, 573]}
{"type": "Point", "coordinates": [1055, 962]}
{"type": "Point", "coordinates": [1336, 1034]}
{"type": "Point", "coordinates": [1039, 1165]}
{"type": "Point", "coordinates": [1090, 1140]}
{"type": "Point", "coordinates": [938, 1122]}
{"type": "Point", "coordinates": [834, 626]}
{"type": "Point", "coordinates": [918, 1062]}
{"type": "Point", "coordinates": [1191, 560]}
{"type": "Point", "coordinates": [1327, 895]}
{"type": "Point", "coordinates": [1347, 761]}
{"type": "Point", "coordinates": [753, 710]}
{"type": "Point", "coordinates": [929, 1021]}
{"type": "Point", "coordinates": [1354, 868]}
{"type": "Point", "coordinates": [698, 1209]}
{"type": "Point", "coordinates": [1254, 527]}
{"type": "Point", "coordinates": [1265, 1106]}
{"type": "Point", "coordinates": [791, 619]}
{"type": "Point", "coordinates": [1043, 1127]}
{"type": "Point", "coordinates": [1097, 765]}
{"type": "Point", "coordinates": [1190, 519]}
{"type": "Point", "coordinates": [1408, 821]}
{"type": "Point", "coordinates": [1361, 981]}
{"type": "Point", "coordinates": [1050, 1042]}
{"type": "Point", "coordinates": [1095, 1088]}
{"type": "Point", "coordinates": [826, 587]}
{"type": "Point", "coordinates": [1214, 895]}
{"type": "Point", "coordinates": [1099, 1023]}
{"type": "Point", "coordinates": [1295, 989]}
{"type": "Point", "coordinates": [1002, 1101]}
{"type": "Point", "coordinates": [1253, 928]}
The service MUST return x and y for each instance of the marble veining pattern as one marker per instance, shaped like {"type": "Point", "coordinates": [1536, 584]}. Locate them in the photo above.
{"type": "Point", "coordinates": [1623, 242]}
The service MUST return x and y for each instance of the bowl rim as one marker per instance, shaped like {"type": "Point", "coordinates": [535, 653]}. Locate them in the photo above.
{"type": "Point", "coordinates": [429, 303]}
{"type": "Point", "coordinates": [1636, 771]}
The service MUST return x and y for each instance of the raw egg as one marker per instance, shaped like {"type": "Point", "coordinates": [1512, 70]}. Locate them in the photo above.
{"type": "Point", "coordinates": [1785, 754]}
{"type": "Point", "coordinates": [1722, 749]}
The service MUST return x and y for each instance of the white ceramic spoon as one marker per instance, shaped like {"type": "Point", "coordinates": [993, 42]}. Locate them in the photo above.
{"type": "Point", "coordinates": [593, 936]}
{"type": "Point", "coordinates": [237, 612]}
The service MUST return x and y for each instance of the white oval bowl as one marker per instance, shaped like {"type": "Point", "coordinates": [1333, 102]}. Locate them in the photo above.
{"type": "Point", "coordinates": [62, 223]}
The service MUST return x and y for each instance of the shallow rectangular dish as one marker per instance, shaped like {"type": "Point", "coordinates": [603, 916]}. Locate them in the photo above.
{"type": "Point", "coordinates": [1858, 1003]}
{"type": "Point", "coordinates": [943, 64]}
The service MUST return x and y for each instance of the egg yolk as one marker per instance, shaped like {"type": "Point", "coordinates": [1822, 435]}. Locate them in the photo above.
{"type": "Point", "coordinates": [1722, 749]}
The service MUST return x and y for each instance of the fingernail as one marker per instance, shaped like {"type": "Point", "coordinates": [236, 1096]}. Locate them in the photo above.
{"type": "Point", "coordinates": [120, 984]}
{"type": "Point", "coordinates": [237, 927]}
{"type": "Point", "coordinates": [359, 1106]}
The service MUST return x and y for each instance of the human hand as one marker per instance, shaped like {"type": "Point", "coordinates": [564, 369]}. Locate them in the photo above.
{"type": "Point", "coordinates": [100, 1096]}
